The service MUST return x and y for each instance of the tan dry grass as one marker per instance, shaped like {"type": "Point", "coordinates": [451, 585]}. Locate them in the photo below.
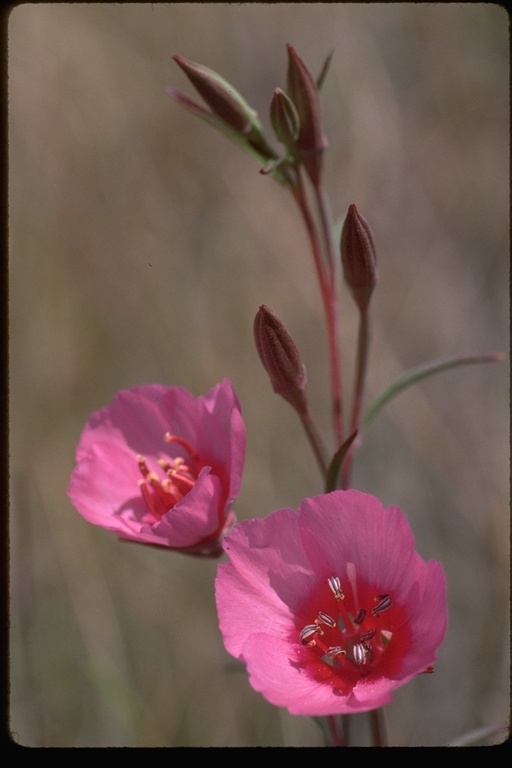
{"type": "Point", "coordinates": [141, 244]}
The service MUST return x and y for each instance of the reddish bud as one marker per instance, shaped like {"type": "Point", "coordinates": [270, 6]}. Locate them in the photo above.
{"type": "Point", "coordinates": [281, 358]}
{"type": "Point", "coordinates": [221, 97]}
{"type": "Point", "coordinates": [304, 93]}
{"type": "Point", "coordinates": [358, 257]}
{"type": "Point", "coordinates": [225, 102]}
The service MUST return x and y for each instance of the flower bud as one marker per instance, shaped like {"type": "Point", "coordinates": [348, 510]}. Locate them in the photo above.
{"type": "Point", "coordinates": [358, 257]}
{"type": "Point", "coordinates": [304, 93]}
{"type": "Point", "coordinates": [285, 119]}
{"type": "Point", "coordinates": [220, 96]}
{"type": "Point", "coordinates": [281, 358]}
{"type": "Point", "coordinates": [225, 103]}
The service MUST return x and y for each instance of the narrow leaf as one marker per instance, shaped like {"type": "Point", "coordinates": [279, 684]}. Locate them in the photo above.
{"type": "Point", "coordinates": [479, 734]}
{"type": "Point", "coordinates": [325, 69]}
{"type": "Point", "coordinates": [421, 372]}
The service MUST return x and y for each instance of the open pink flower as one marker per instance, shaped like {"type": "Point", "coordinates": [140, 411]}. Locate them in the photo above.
{"type": "Point", "coordinates": [162, 467]}
{"type": "Point", "coordinates": [331, 608]}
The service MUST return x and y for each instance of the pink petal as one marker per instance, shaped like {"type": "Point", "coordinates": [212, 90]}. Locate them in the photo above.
{"type": "Point", "coordinates": [350, 526]}
{"type": "Point", "coordinates": [272, 664]}
{"type": "Point", "coordinates": [267, 569]}
{"type": "Point", "coordinates": [196, 516]}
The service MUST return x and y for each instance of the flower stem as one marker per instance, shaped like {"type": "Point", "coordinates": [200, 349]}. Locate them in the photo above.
{"type": "Point", "coordinates": [378, 727]}
{"type": "Point", "coordinates": [326, 280]}
{"type": "Point", "coordinates": [335, 734]}
{"type": "Point", "coordinates": [315, 440]}
{"type": "Point", "coordinates": [363, 345]}
{"type": "Point", "coordinates": [324, 211]}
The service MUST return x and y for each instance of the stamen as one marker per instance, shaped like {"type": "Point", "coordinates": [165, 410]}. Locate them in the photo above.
{"type": "Point", "coordinates": [334, 583]}
{"type": "Point", "coordinates": [385, 603]}
{"type": "Point", "coordinates": [335, 587]}
{"type": "Point", "coordinates": [184, 483]}
{"type": "Point", "coordinates": [169, 488]}
{"type": "Point", "coordinates": [162, 494]}
{"type": "Point", "coordinates": [307, 635]}
{"type": "Point", "coordinates": [181, 441]}
{"type": "Point", "coordinates": [146, 495]}
{"type": "Point", "coordinates": [141, 461]}
{"type": "Point", "coordinates": [340, 633]}
{"type": "Point", "coordinates": [360, 616]}
{"type": "Point", "coordinates": [335, 650]}
{"type": "Point", "coordinates": [326, 619]}
{"type": "Point", "coordinates": [359, 654]}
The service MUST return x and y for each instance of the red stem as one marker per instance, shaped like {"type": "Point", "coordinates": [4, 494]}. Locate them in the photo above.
{"type": "Point", "coordinates": [336, 738]}
{"type": "Point", "coordinates": [329, 299]}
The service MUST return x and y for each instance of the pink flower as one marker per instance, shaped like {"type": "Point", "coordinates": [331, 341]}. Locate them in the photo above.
{"type": "Point", "coordinates": [160, 466]}
{"type": "Point", "coordinates": [331, 608]}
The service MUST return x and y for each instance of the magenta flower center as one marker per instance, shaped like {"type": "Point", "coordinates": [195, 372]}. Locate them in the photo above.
{"type": "Point", "coordinates": [355, 631]}
{"type": "Point", "coordinates": [162, 493]}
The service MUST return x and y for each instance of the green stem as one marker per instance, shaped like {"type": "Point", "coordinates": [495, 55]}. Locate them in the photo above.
{"type": "Point", "coordinates": [363, 346]}
{"type": "Point", "coordinates": [325, 216]}
{"type": "Point", "coordinates": [315, 440]}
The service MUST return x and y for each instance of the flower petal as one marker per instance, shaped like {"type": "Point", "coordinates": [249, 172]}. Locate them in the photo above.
{"type": "Point", "coordinates": [267, 570]}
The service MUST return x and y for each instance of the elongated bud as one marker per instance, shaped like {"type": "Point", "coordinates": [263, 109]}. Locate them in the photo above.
{"type": "Point", "coordinates": [285, 119]}
{"type": "Point", "coordinates": [221, 97]}
{"type": "Point", "coordinates": [225, 103]}
{"type": "Point", "coordinates": [304, 93]}
{"type": "Point", "coordinates": [358, 257]}
{"type": "Point", "coordinates": [281, 358]}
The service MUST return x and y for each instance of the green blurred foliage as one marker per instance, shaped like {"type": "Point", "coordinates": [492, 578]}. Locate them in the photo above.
{"type": "Point", "coordinates": [141, 244]}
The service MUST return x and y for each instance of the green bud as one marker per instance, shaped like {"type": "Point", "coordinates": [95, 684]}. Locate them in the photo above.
{"type": "Point", "coordinates": [285, 119]}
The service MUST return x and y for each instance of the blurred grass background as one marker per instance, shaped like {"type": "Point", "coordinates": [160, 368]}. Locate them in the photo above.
{"type": "Point", "coordinates": [141, 243]}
